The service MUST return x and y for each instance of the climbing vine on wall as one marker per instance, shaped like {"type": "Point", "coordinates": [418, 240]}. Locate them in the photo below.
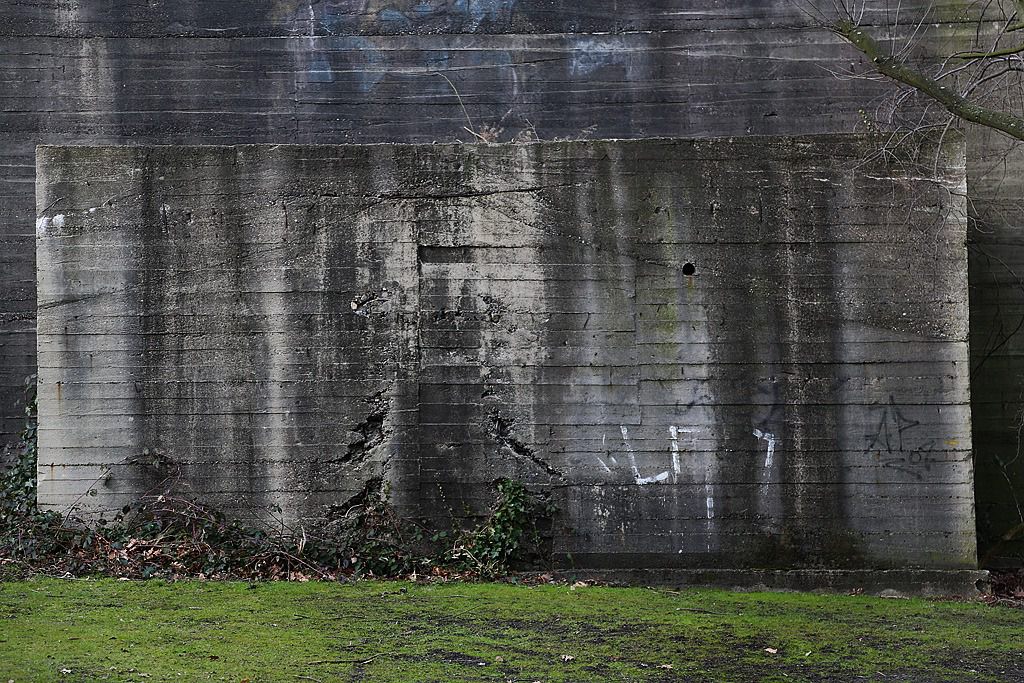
{"type": "Point", "coordinates": [26, 533]}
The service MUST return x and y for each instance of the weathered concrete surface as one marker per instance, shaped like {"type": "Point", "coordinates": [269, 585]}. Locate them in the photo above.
{"type": "Point", "coordinates": [328, 71]}
{"type": "Point", "coordinates": [215, 72]}
{"type": "Point", "coordinates": [723, 353]}
{"type": "Point", "coordinates": [266, 18]}
{"type": "Point", "coordinates": [239, 322]}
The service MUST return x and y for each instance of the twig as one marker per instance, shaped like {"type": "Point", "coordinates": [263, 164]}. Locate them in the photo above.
{"type": "Point", "coordinates": [472, 128]}
{"type": "Point", "coordinates": [956, 104]}
{"type": "Point", "coordinates": [49, 206]}
{"type": "Point", "coordinates": [351, 661]}
{"type": "Point", "coordinates": [479, 137]}
{"type": "Point", "coordinates": [700, 611]}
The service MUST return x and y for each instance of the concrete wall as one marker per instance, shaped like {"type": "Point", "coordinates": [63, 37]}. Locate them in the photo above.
{"type": "Point", "coordinates": [287, 325]}
{"type": "Point", "coordinates": [87, 71]}
{"type": "Point", "coordinates": [215, 72]}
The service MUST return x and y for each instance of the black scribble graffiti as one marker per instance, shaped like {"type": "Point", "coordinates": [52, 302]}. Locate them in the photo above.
{"type": "Point", "coordinates": [889, 442]}
{"type": "Point", "coordinates": [888, 436]}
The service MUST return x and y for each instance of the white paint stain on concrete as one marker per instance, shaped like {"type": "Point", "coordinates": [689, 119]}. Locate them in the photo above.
{"type": "Point", "coordinates": [769, 438]}
{"type": "Point", "coordinates": [709, 502]}
{"type": "Point", "coordinates": [677, 466]}
{"type": "Point", "coordinates": [677, 462]}
{"type": "Point", "coordinates": [661, 476]}
{"type": "Point", "coordinates": [603, 464]}
{"type": "Point", "coordinates": [592, 53]}
{"type": "Point", "coordinates": [44, 223]}
{"type": "Point", "coordinates": [640, 480]}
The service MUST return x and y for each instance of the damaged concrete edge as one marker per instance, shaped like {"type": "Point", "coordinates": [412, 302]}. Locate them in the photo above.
{"type": "Point", "coordinates": [501, 429]}
{"type": "Point", "coordinates": [369, 433]}
{"type": "Point", "coordinates": [894, 583]}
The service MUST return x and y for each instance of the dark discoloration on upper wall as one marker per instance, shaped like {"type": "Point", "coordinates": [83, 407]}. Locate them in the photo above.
{"type": "Point", "coordinates": [264, 18]}
{"type": "Point", "coordinates": [289, 325]}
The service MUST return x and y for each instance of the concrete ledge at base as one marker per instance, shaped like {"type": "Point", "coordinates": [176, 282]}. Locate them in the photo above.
{"type": "Point", "coordinates": [963, 583]}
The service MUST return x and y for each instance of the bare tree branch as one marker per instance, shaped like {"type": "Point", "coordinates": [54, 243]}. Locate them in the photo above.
{"type": "Point", "coordinates": [955, 103]}
{"type": "Point", "coordinates": [1005, 52]}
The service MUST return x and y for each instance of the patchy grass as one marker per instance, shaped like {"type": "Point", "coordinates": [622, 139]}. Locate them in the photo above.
{"type": "Point", "coordinates": [107, 630]}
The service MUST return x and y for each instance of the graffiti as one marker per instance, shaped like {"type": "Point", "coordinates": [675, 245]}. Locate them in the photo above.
{"type": "Point", "coordinates": [770, 439]}
{"type": "Point", "coordinates": [893, 440]}
{"type": "Point", "coordinates": [592, 54]}
{"type": "Point", "coordinates": [674, 433]}
{"type": "Point", "coordinates": [341, 17]}
{"type": "Point", "coordinates": [358, 57]}
{"type": "Point", "coordinates": [677, 463]}
{"type": "Point", "coordinates": [640, 480]}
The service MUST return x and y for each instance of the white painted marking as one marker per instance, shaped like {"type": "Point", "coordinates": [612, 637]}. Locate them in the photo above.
{"type": "Point", "coordinates": [674, 432]}
{"type": "Point", "coordinates": [632, 460]}
{"type": "Point", "coordinates": [44, 223]}
{"type": "Point", "coordinates": [629, 449]}
{"type": "Point", "coordinates": [709, 502]}
{"type": "Point", "coordinates": [768, 437]}
{"type": "Point", "coordinates": [650, 480]}
{"type": "Point", "coordinates": [602, 462]}
{"type": "Point", "coordinates": [677, 466]}
{"type": "Point", "coordinates": [611, 456]}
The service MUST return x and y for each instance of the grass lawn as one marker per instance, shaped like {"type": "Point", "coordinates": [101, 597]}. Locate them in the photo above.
{"type": "Point", "coordinates": [106, 630]}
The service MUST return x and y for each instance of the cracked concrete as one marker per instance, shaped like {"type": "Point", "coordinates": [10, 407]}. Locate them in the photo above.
{"type": "Point", "coordinates": [504, 435]}
{"type": "Point", "coordinates": [371, 433]}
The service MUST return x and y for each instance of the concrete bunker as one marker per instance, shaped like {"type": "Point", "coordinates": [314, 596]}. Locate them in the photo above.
{"type": "Point", "coordinates": [712, 353]}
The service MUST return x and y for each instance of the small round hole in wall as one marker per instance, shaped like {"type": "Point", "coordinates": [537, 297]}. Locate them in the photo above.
{"type": "Point", "coordinates": [689, 269]}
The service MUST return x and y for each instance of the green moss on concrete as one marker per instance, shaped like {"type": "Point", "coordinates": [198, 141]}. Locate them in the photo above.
{"type": "Point", "coordinates": [156, 631]}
